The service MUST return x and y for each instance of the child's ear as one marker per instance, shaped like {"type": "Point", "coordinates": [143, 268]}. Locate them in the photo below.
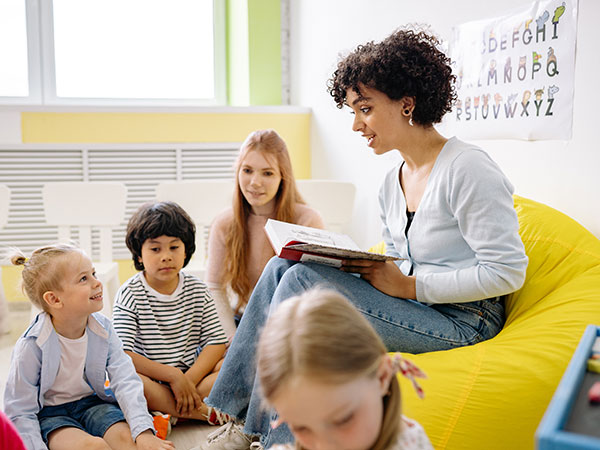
{"type": "Point", "coordinates": [52, 300]}
{"type": "Point", "coordinates": [385, 372]}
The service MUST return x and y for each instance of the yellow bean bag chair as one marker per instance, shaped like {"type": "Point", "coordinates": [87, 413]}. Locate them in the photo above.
{"type": "Point", "coordinates": [492, 395]}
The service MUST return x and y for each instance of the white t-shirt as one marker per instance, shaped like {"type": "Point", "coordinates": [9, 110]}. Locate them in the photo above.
{"type": "Point", "coordinates": [70, 384]}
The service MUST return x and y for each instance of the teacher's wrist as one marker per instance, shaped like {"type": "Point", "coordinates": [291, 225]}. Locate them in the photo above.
{"type": "Point", "coordinates": [410, 287]}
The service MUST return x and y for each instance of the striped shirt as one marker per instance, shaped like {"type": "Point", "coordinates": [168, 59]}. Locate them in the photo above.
{"type": "Point", "coordinates": [169, 329]}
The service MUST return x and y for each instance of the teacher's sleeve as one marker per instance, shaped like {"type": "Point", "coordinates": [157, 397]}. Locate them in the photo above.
{"type": "Point", "coordinates": [480, 198]}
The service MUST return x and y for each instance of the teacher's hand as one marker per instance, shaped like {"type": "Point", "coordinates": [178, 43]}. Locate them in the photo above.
{"type": "Point", "coordinates": [384, 276]}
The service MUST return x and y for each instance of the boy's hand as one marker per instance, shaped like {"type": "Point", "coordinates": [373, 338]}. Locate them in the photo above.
{"type": "Point", "coordinates": [147, 441]}
{"type": "Point", "coordinates": [186, 397]}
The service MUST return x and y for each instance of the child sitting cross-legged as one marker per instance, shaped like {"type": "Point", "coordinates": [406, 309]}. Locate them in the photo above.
{"type": "Point", "coordinates": [55, 392]}
{"type": "Point", "coordinates": [326, 372]}
{"type": "Point", "coordinates": [167, 319]}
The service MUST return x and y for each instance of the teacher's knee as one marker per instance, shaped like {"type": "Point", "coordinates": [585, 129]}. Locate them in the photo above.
{"type": "Point", "coordinates": [276, 263]}
{"type": "Point", "coordinates": [299, 278]}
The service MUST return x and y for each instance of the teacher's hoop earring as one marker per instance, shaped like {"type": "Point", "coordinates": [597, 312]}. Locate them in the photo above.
{"type": "Point", "coordinates": [408, 113]}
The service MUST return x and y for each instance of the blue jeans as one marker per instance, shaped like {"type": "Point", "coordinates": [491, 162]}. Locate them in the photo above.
{"type": "Point", "coordinates": [404, 325]}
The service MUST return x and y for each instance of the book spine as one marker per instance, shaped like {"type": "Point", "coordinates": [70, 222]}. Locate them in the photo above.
{"type": "Point", "coordinates": [297, 255]}
{"type": "Point", "coordinates": [287, 253]}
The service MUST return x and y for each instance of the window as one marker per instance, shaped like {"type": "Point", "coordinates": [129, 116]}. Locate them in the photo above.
{"type": "Point", "coordinates": [113, 52]}
{"type": "Point", "coordinates": [13, 49]}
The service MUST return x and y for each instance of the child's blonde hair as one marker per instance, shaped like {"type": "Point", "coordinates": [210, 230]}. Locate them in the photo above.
{"type": "Point", "coordinates": [40, 271]}
{"type": "Point", "coordinates": [321, 334]}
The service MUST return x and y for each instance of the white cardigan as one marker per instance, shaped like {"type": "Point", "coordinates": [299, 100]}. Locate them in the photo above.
{"type": "Point", "coordinates": [463, 243]}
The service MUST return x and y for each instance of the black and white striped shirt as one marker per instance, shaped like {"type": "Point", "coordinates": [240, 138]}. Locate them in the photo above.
{"type": "Point", "coordinates": [169, 329]}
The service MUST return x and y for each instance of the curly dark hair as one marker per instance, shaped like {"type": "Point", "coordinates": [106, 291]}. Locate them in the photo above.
{"type": "Point", "coordinates": [405, 64]}
{"type": "Point", "coordinates": [155, 219]}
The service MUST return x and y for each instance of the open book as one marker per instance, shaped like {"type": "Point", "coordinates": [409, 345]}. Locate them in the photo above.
{"type": "Point", "coordinates": [307, 244]}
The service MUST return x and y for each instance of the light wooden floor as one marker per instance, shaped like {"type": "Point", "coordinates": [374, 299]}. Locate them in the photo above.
{"type": "Point", "coordinates": [185, 436]}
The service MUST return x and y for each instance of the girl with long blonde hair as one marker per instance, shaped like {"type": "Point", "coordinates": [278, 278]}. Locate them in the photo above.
{"type": "Point", "coordinates": [238, 248]}
{"type": "Point", "coordinates": [327, 373]}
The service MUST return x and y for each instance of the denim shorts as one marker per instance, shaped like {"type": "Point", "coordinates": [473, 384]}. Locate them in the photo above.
{"type": "Point", "coordinates": [90, 414]}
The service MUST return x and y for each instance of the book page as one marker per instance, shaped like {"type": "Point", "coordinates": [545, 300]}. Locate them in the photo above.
{"type": "Point", "coordinates": [318, 237]}
{"type": "Point", "coordinates": [283, 233]}
{"type": "Point", "coordinates": [302, 243]}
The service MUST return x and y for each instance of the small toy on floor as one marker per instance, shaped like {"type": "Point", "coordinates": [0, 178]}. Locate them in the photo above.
{"type": "Point", "coordinates": [594, 393]}
{"type": "Point", "coordinates": [593, 363]}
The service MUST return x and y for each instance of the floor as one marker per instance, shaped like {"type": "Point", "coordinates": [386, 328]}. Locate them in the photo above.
{"type": "Point", "coordinates": [185, 436]}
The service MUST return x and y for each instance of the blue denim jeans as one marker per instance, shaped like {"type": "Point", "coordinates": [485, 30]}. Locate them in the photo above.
{"type": "Point", "coordinates": [404, 325]}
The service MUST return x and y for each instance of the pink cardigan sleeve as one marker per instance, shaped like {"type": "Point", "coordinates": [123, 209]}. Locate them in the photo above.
{"type": "Point", "coordinates": [216, 250]}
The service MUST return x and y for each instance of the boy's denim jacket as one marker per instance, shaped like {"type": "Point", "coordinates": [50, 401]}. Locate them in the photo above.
{"type": "Point", "coordinates": [34, 365]}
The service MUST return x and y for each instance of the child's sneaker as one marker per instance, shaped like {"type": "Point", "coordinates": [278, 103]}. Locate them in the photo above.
{"type": "Point", "coordinates": [214, 417]}
{"type": "Point", "coordinates": [228, 437]}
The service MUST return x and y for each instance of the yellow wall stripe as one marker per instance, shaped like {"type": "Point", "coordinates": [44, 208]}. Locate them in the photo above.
{"type": "Point", "coordinates": [111, 127]}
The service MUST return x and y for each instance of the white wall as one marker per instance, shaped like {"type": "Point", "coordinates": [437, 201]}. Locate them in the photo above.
{"type": "Point", "coordinates": [10, 127]}
{"type": "Point", "coordinates": [565, 175]}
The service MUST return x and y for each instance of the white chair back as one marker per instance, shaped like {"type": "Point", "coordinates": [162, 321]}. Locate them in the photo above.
{"type": "Point", "coordinates": [333, 199]}
{"type": "Point", "coordinates": [202, 200]}
{"type": "Point", "coordinates": [86, 205]}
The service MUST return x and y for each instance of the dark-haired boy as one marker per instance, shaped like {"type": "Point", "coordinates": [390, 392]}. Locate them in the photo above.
{"type": "Point", "coordinates": [167, 319]}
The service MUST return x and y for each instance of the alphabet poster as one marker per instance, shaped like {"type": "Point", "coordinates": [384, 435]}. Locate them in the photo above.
{"type": "Point", "coordinates": [515, 74]}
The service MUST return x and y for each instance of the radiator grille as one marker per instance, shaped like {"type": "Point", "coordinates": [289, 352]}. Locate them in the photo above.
{"type": "Point", "coordinates": [25, 168]}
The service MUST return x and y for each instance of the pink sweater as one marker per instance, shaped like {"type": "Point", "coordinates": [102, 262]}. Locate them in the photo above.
{"type": "Point", "coordinates": [9, 436]}
{"type": "Point", "coordinates": [260, 250]}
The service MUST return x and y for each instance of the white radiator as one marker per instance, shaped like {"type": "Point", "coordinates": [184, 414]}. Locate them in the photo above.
{"type": "Point", "coordinates": [25, 168]}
